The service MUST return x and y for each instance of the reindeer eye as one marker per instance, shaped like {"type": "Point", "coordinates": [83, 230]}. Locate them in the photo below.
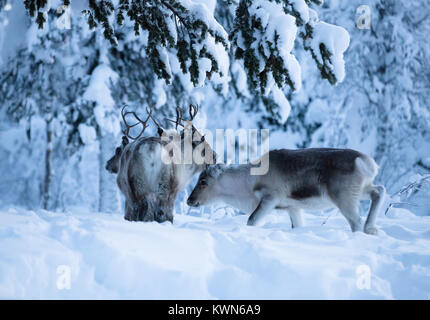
{"type": "Point", "coordinates": [204, 183]}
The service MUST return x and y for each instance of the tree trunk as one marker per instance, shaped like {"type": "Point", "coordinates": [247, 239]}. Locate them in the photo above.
{"type": "Point", "coordinates": [47, 179]}
{"type": "Point", "coordinates": [109, 199]}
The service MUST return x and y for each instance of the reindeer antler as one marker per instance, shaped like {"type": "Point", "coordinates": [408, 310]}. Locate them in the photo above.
{"type": "Point", "coordinates": [139, 121]}
{"type": "Point", "coordinates": [180, 115]}
{"type": "Point", "coordinates": [159, 128]}
{"type": "Point", "coordinates": [193, 109]}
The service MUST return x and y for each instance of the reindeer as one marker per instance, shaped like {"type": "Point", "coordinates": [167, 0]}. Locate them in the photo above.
{"type": "Point", "coordinates": [149, 185]}
{"type": "Point", "coordinates": [310, 179]}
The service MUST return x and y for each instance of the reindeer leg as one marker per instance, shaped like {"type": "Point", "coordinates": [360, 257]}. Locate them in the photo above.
{"type": "Point", "coordinates": [129, 214]}
{"type": "Point", "coordinates": [377, 194]}
{"type": "Point", "coordinates": [132, 211]}
{"type": "Point", "coordinates": [267, 204]}
{"type": "Point", "coordinates": [296, 217]}
{"type": "Point", "coordinates": [346, 197]}
{"type": "Point", "coordinates": [349, 209]}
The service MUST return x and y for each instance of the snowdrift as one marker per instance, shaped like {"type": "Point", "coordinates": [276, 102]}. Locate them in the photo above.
{"type": "Point", "coordinates": [94, 255]}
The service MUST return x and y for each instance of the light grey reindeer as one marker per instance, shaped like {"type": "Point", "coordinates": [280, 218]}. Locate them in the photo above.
{"type": "Point", "coordinates": [150, 186]}
{"type": "Point", "coordinates": [310, 179]}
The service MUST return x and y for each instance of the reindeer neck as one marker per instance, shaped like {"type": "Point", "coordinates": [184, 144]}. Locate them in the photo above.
{"type": "Point", "coordinates": [235, 188]}
{"type": "Point", "coordinates": [233, 177]}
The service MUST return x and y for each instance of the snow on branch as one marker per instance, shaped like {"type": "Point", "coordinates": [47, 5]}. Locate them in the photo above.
{"type": "Point", "coordinates": [327, 44]}
{"type": "Point", "coordinates": [264, 36]}
{"type": "Point", "coordinates": [185, 27]}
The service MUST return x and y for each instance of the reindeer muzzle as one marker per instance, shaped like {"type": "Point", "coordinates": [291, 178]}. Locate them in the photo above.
{"type": "Point", "coordinates": [192, 202]}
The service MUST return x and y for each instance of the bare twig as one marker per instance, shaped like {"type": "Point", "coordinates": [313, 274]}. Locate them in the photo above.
{"type": "Point", "coordinates": [328, 217]}
{"type": "Point", "coordinates": [416, 185]}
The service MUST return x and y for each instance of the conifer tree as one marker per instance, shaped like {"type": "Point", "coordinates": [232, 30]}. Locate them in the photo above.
{"type": "Point", "coordinates": [263, 35]}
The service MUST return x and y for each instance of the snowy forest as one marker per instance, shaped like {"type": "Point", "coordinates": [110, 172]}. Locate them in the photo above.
{"type": "Point", "coordinates": [316, 73]}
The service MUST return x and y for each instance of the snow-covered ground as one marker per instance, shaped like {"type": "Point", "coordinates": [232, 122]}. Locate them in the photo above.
{"type": "Point", "coordinates": [211, 258]}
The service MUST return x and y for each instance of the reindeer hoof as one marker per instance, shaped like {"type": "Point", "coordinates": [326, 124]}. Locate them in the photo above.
{"type": "Point", "coordinates": [250, 222]}
{"type": "Point", "coordinates": [371, 230]}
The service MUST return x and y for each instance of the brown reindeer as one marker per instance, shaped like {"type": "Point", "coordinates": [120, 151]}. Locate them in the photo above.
{"type": "Point", "coordinates": [150, 185]}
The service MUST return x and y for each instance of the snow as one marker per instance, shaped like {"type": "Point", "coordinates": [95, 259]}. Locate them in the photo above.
{"type": "Point", "coordinates": [302, 8]}
{"type": "Point", "coordinates": [240, 78]}
{"type": "Point", "coordinates": [202, 12]}
{"type": "Point", "coordinates": [276, 23]}
{"type": "Point", "coordinates": [336, 40]}
{"type": "Point", "coordinates": [316, 111]}
{"type": "Point", "coordinates": [102, 78]}
{"type": "Point", "coordinates": [88, 134]}
{"type": "Point", "coordinates": [99, 87]}
{"type": "Point", "coordinates": [214, 257]}
{"type": "Point", "coordinates": [164, 57]}
{"type": "Point", "coordinates": [426, 162]}
{"type": "Point", "coordinates": [282, 102]}
{"type": "Point", "coordinates": [159, 93]}
{"type": "Point", "coordinates": [210, 4]}
{"type": "Point", "coordinates": [171, 27]}
{"type": "Point", "coordinates": [205, 65]}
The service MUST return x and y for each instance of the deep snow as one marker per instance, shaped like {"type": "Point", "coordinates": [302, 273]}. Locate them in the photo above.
{"type": "Point", "coordinates": [216, 257]}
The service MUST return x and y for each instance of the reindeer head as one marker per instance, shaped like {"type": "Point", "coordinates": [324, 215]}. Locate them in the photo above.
{"type": "Point", "coordinates": [112, 165]}
{"type": "Point", "coordinates": [204, 191]}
